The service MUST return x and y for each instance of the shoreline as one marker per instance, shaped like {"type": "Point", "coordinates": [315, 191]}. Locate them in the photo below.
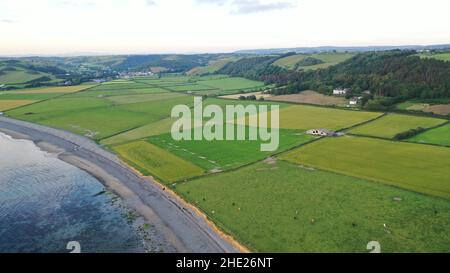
{"type": "Point", "coordinates": [181, 224]}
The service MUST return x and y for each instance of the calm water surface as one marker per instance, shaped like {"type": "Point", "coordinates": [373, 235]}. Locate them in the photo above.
{"type": "Point", "coordinates": [45, 203]}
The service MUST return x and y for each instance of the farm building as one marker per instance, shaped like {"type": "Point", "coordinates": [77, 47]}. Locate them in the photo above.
{"type": "Point", "coordinates": [354, 100]}
{"type": "Point", "coordinates": [340, 91]}
{"type": "Point", "coordinates": [320, 132]}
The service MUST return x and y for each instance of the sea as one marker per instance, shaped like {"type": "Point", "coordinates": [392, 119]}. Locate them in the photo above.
{"type": "Point", "coordinates": [49, 206]}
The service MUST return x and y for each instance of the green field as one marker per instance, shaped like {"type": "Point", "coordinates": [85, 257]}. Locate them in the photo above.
{"type": "Point", "coordinates": [120, 86]}
{"type": "Point", "coordinates": [416, 167]}
{"type": "Point", "coordinates": [212, 67]}
{"type": "Point", "coordinates": [8, 95]}
{"type": "Point", "coordinates": [391, 125]}
{"type": "Point", "coordinates": [53, 90]}
{"type": "Point", "coordinates": [152, 129]}
{"type": "Point", "coordinates": [439, 136]}
{"type": "Point", "coordinates": [18, 76]}
{"type": "Point", "coordinates": [190, 87]}
{"type": "Point", "coordinates": [311, 195]}
{"type": "Point", "coordinates": [437, 56]}
{"type": "Point", "coordinates": [151, 160]}
{"type": "Point", "coordinates": [281, 207]}
{"type": "Point", "coordinates": [98, 117]}
{"type": "Point", "coordinates": [163, 126]}
{"type": "Point", "coordinates": [328, 59]}
{"type": "Point", "coordinates": [225, 154]}
{"type": "Point", "coordinates": [232, 84]}
{"type": "Point", "coordinates": [11, 104]}
{"type": "Point", "coordinates": [311, 117]}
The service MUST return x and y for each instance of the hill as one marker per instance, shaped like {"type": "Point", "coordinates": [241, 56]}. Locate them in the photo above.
{"type": "Point", "coordinates": [21, 74]}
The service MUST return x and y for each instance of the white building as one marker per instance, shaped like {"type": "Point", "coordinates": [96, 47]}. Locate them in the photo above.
{"type": "Point", "coordinates": [320, 132]}
{"type": "Point", "coordinates": [340, 91]}
{"type": "Point", "coordinates": [354, 100]}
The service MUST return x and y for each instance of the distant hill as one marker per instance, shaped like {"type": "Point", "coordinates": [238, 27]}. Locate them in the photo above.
{"type": "Point", "coordinates": [15, 73]}
{"type": "Point", "coordinates": [397, 75]}
{"type": "Point", "coordinates": [312, 61]}
{"type": "Point", "coordinates": [310, 50]}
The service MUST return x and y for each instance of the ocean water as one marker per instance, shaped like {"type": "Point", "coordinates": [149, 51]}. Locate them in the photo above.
{"type": "Point", "coordinates": [46, 203]}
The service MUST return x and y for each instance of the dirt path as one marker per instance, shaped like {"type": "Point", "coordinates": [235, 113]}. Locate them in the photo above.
{"type": "Point", "coordinates": [180, 225]}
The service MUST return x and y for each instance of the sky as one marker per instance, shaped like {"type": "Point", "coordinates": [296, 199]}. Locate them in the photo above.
{"type": "Point", "coordinates": [58, 27]}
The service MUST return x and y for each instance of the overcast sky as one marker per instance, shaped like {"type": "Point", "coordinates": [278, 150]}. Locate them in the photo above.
{"type": "Point", "coordinates": [188, 26]}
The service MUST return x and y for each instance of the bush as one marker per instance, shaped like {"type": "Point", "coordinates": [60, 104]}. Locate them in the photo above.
{"type": "Point", "coordinates": [409, 133]}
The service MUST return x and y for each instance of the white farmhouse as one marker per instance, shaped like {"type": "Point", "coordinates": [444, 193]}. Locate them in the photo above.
{"type": "Point", "coordinates": [354, 100]}
{"type": "Point", "coordinates": [340, 91]}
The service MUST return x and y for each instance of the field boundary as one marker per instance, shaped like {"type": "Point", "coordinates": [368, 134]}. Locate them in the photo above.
{"type": "Point", "coordinates": [371, 179]}
{"type": "Point", "coordinates": [62, 95]}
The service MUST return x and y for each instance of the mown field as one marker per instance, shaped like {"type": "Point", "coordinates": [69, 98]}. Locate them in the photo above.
{"type": "Point", "coordinates": [104, 110]}
{"type": "Point", "coordinates": [310, 117]}
{"type": "Point", "coordinates": [212, 67]}
{"type": "Point", "coordinates": [281, 207]}
{"type": "Point", "coordinates": [18, 76]}
{"type": "Point", "coordinates": [437, 56]}
{"type": "Point", "coordinates": [222, 155]}
{"type": "Point", "coordinates": [439, 136]}
{"type": "Point", "coordinates": [10, 104]}
{"type": "Point", "coordinates": [416, 167]}
{"type": "Point", "coordinates": [18, 98]}
{"type": "Point", "coordinates": [393, 124]}
{"type": "Point", "coordinates": [204, 85]}
{"type": "Point", "coordinates": [151, 160]}
{"type": "Point", "coordinates": [328, 59]}
{"type": "Point", "coordinates": [311, 97]}
{"type": "Point", "coordinates": [439, 109]}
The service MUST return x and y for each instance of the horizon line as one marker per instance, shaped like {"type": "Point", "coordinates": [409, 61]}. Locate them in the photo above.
{"type": "Point", "coordinates": [99, 53]}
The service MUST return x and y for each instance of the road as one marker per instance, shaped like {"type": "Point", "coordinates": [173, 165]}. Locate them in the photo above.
{"type": "Point", "coordinates": [179, 224]}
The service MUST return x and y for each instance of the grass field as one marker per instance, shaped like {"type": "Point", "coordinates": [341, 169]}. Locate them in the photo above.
{"type": "Point", "coordinates": [328, 59]}
{"type": "Point", "coordinates": [18, 76]}
{"type": "Point", "coordinates": [311, 97]}
{"type": "Point", "coordinates": [51, 90]}
{"type": "Point", "coordinates": [190, 87]}
{"type": "Point", "coordinates": [439, 136]}
{"type": "Point", "coordinates": [151, 160]}
{"type": "Point", "coordinates": [392, 124]}
{"type": "Point", "coordinates": [36, 97]}
{"type": "Point", "coordinates": [120, 86]}
{"type": "Point", "coordinates": [281, 207]}
{"type": "Point", "coordinates": [119, 92]}
{"type": "Point", "coordinates": [310, 117]}
{"type": "Point", "coordinates": [125, 99]}
{"type": "Point", "coordinates": [99, 117]}
{"type": "Point", "coordinates": [10, 104]}
{"type": "Point", "coordinates": [231, 84]}
{"type": "Point", "coordinates": [212, 67]}
{"type": "Point", "coordinates": [333, 194]}
{"type": "Point", "coordinates": [152, 129]}
{"type": "Point", "coordinates": [416, 167]}
{"type": "Point", "coordinates": [439, 109]}
{"type": "Point", "coordinates": [438, 56]}
{"type": "Point", "coordinates": [222, 155]}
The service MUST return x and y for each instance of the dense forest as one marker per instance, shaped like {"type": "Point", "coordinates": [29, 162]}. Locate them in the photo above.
{"type": "Point", "coordinates": [390, 76]}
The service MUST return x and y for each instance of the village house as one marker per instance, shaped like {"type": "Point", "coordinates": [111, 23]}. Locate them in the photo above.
{"type": "Point", "coordinates": [355, 101]}
{"type": "Point", "coordinates": [340, 91]}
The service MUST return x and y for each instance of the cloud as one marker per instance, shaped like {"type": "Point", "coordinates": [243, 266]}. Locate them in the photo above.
{"type": "Point", "coordinates": [254, 6]}
{"type": "Point", "coordinates": [8, 21]}
{"type": "Point", "coordinates": [250, 6]}
{"type": "Point", "coordinates": [150, 2]}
